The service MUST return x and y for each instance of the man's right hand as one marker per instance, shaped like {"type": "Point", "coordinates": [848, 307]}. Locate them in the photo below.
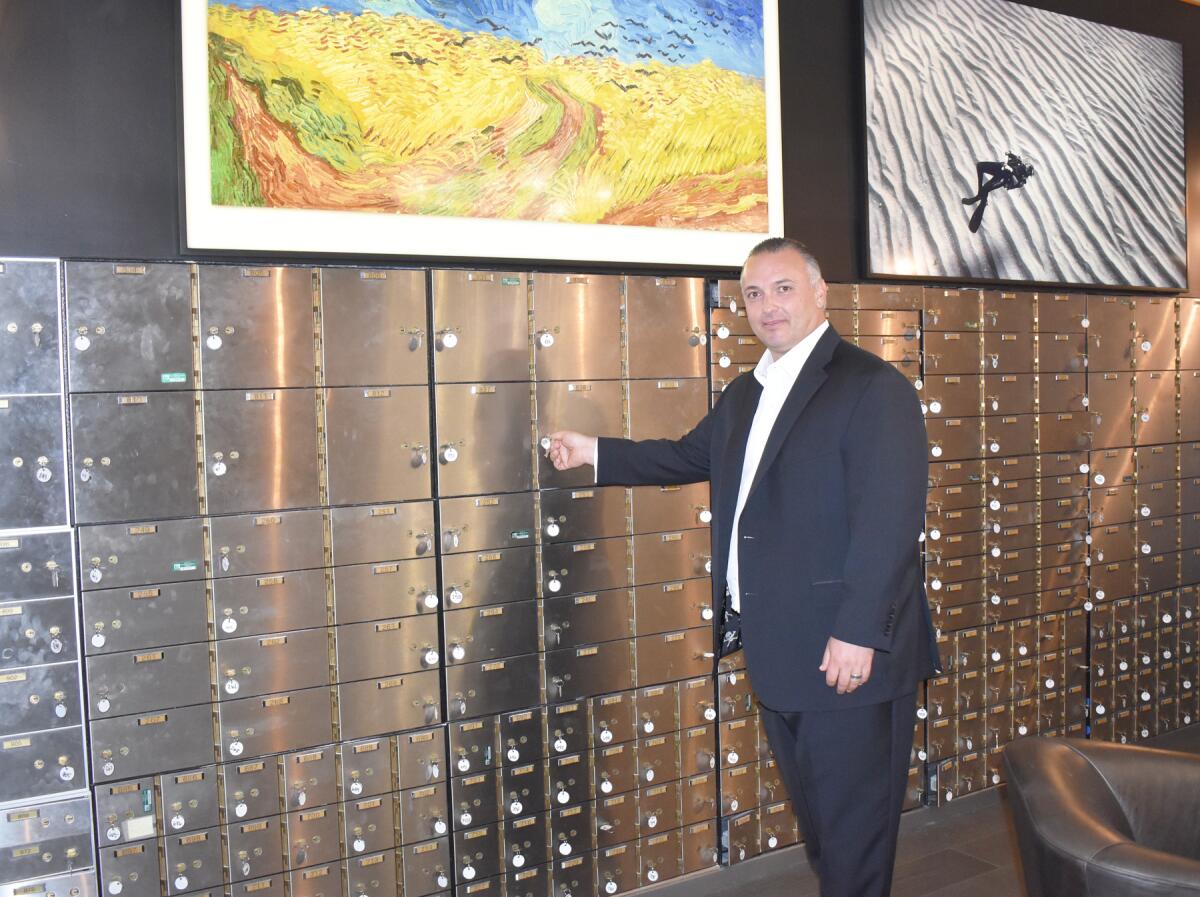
{"type": "Point", "coordinates": [569, 449]}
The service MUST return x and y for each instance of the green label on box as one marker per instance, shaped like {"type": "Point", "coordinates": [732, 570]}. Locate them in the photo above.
{"type": "Point", "coordinates": [174, 377]}
{"type": "Point", "coordinates": [184, 566]}
{"type": "Point", "coordinates": [520, 534]}
{"type": "Point", "coordinates": [510, 281]}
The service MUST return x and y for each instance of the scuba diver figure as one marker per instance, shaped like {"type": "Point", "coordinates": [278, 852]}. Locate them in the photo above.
{"type": "Point", "coordinates": [1010, 174]}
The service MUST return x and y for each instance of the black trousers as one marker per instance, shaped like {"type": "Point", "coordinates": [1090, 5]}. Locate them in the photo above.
{"type": "Point", "coordinates": [846, 772]}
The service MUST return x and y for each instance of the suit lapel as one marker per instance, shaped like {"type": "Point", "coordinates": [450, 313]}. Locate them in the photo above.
{"type": "Point", "coordinates": [812, 375]}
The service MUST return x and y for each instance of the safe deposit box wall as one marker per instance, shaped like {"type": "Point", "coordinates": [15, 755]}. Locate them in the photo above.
{"type": "Point", "coordinates": [292, 603]}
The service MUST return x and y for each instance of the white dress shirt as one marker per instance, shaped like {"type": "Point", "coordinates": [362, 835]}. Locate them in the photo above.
{"type": "Point", "coordinates": [777, 376]}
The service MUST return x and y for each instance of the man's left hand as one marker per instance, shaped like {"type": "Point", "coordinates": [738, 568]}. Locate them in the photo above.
{"type": "Point", "coordinates": [844, 663]}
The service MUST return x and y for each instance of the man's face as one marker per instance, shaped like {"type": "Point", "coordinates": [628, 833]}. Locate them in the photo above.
{"type": "Point", "coordinates": [781, 302]}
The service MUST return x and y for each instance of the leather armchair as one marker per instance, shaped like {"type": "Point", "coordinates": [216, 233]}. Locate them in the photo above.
{"type": "Point", "coordinates": [1105, 820]}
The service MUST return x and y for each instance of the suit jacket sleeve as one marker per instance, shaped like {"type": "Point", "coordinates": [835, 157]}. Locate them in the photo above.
{"type": "Point", "coordinates": [658, 462]}
{"type": "Point", "coordinates": [886, 481]}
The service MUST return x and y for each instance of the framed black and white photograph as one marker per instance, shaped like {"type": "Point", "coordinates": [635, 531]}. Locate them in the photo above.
{"type": "Point", "coordinates": [1014, 144]}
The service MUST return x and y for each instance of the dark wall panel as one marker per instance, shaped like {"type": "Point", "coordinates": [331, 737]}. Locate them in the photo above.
{"type": "Point", "coordinates": [89, 152]}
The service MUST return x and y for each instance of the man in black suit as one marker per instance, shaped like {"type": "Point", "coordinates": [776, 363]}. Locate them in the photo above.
{"type": "Point", "coordinates": [818, 471]}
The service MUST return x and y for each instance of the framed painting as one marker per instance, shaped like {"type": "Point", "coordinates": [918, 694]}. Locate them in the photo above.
{"type": "Point", "coordinates": [1008, 143]}
{"type": "Point", "coordinates": [573, 130]}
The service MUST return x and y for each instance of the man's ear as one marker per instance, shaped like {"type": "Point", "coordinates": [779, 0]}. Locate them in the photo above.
{"type": "Point", "coordinates": [822, 291]}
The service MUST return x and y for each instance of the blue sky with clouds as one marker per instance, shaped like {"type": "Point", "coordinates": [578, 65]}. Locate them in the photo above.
{"type": "Point", "coordinates": [673, 32]}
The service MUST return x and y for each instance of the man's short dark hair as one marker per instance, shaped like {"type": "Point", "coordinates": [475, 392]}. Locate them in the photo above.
{"type": "Point", "coordinates": [778, 244]}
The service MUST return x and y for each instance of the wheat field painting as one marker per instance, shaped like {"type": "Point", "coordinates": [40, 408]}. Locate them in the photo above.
{"type": "Point", "coordinates": [604, 112]}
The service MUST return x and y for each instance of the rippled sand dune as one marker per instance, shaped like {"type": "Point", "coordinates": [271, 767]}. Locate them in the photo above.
{"type": "Point", "coordinates": [1099, 110]}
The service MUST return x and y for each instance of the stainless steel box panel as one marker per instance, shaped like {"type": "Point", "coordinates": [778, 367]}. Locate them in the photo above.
{"type": "Point", "coordinates": [386, 647]}
{"type": "Point", "coordinates": [1154, 333]}
{"type": "Point", "coordinates": [130, 326]}
{"type": "Point", "coordinates": [1064, 431]}
{"type": "Point", "coordinates": [667, 336]}
{"type": "Point", "coordinates": [382, 532]}
{"type": "Point", "coordinates": [1054, 510]}
{"type": "Point", "coordinates": [697, 751]}
{"type": "Point", "coordinates": [1154, 407]}
{"type": "Point", "coordinates": [489, 522]}
{"type": "Point", "coordinates": [658, 759]}
{"type": "Point", "coordinates": [665, 409]}
{"type": "Point", "coordinates": [674, 655]}
{"type": "Point", "coordinates": [477, 634]}
{"type": "Point", "coordinates": [148, 441]}
{"type": "Point", "coordinates": [1158, 499]}
{"type": "Point", "coordinates": [592, 407]}
{"type": "Point", "coordinates": [483, 438]}
{"type": "Point", "coordinates": [252, 727]}
{"type": "Point", "coordinates": [33, 482]}
{"type": "Point", "coordinates": [192, 861]}
{"type": "Point", "coordinates": [1189, 398]}
{"type": "Point", "coordinates": [663, 607]}
{"type": "Point", "coordinates": [39, 841]}
{"type": "Point", "coordinates": [523, 735]}
{"type": "Point", "coordinates": [881, 296]}
{"type": "Point", "coordinates": [473, 745]}
{"type": "Point", "coordinates": [573, 514]}
{"type": "Point", "coordinates": [1062, 392]}
{"type": "Point", "coordinates": [243, 311]}
{"type": "Point", "coordinates": [568, 727]}
{"type": "Point", "coordinates": [273, 886]}
{"type": "Point", "coordinates": [137, 554]}
{"type": "Point", "coordinates": [421, 757]}
{"type": "Point", "coordinates": [423, 813]}
{"type": "Point", "coordinates": [489, 577]}
{"type": "Point", "coordinates": [1158, 572]}
{"type": "Point", "coordinates": [130, 870]}
{"type": "Point", "coordinates": [953, 395]}
{"type": "Point", "coordinates": [1112, 580]}
{"type": "Point", "coordinates": [576, 567]}
{"type": "Point", "coordinates": [1009, 353]}
{"type": "Point", "coordinates": [1156, 463]}
{"type": "Point", "coordinates": [37, 632]}
{"type": "Point", "coordinates": [189, 799]}
{"type": "Point", "coordinates": [890, 322]}
{"type": "Point", "coordinates": [660, 807]}
{"type": "Point", "coordinates": [1008, 311]}
{"type": "Point", "coordinates": [1008, 393]}
{"type": "Point", "coordinates": [617, 869]}
{"type": "Point", "coordinates": [671, 556]}
{"type": "Point", "coordinates": [140, 745]}
{"type": "Point", "coordinates": [252, 789]}
{"type": "Point", "coordinates": [662, 857]}
{"type": "Point", "coordinates": [612, 718]}
{"type": "Point", "coordinates": [615, 769]}
{"type": "Point", "coordinates": [572, 829]}
{"type": "Point", "coordinates": [139, 682]}
{"type": "Point", "coordinates": [953, 353]}
{"type": "Point", "coordinates": [365, 592]}
{"type": "Point", "coordinates": [251, 439]}
{"type": "Point", "coordinates": [1061, 312]}
{"type": "Point", "coordinates": [953, 498]}
{"type": "Point", "coordinates": [700, 846]}
{"type": "Point", "coordinates": [426, 867]}
{"type": "Point", "coordinates": [569, 779]}
{"type": "Point", "coordinates": [953, 309]}
{"type": "Point", "coordinates": [480, 326]}
{"type": "Point", "coordinates": [1112, 504]}
{"type": "Point", "coordinates": [737, 350]}
{"type": "Point", "coordinates": [738, 741]}
{"type": "Point", "coordinates": [255, 848]}
{"type": "Point", "coordinates": [326, 880]}
{"type": "Point", "coordinates": [527, 843]}
{"type": "Point", "coordinates": [1012, 434]}
{"type": "Point", "coordinates": [1111, 467]}
{"type": "Point", "coordinates": [36, 565]}
{"type": "Point", "coordinates": [256, 605]}
{"type": "Point", "coordinates": [727, 322]}
{"type": "Point", "coordinates": [267, 543]}
{"type": "Point", "coordinates": [659, 508]}
{"type": "Point", "coordinates": [1060, 352]}
{"type": "Point", "coordinates": [477, 854]}
{"type": "Point", "coordinates": [29, 347]}
{"type": "Point", "coordinates": [260, 665]}
{"type": "Point", "coordinates": [373, 326]}
{"type": "Point", "coordinates": [523, 789]}
{"type": "Point", "coordinates": [378, 444]}
{"type": "Point", "coordinates": [956, 438]}
{"type": "Point", "coordinates": [589, 670]}
{"type": "Point", "coordinates": [779, 826]}
{"type": "Point", "coordinates": [493, 687]}
{"type": "Point", "coordinates": [696, 702]}
{"type": "Point", "coordinates": [657, 709]}
{"type": "Point", "coordinates": [474, 799]}
{"type": "Point", "coordinates": [585, 619]}
{"type": "Point", "coordinates": [904, 352]}
{"type": "Point", "coordinates": [366, 767]}
{"type": "Point", "coordinates": [378, 706]}
{"type": "Point", "coordinates": [739, 788]}
{"type": "Point", "coordinates": [577, 324]}
{"type": "Point", "coordinates": [312, 836]}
